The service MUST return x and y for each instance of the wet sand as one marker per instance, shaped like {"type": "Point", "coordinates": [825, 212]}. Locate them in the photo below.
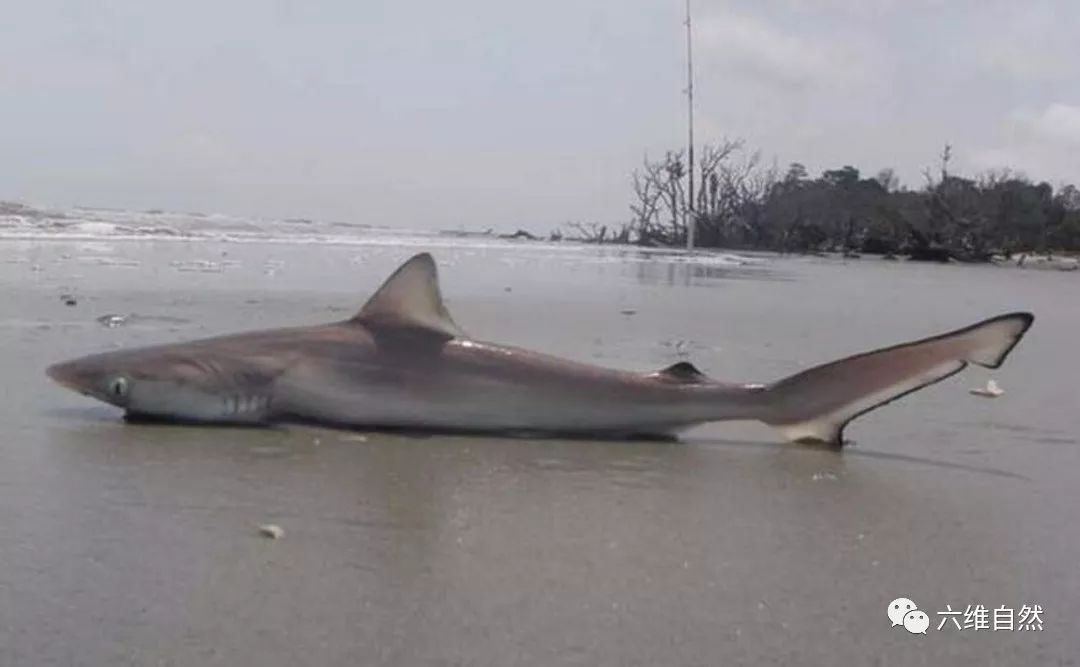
{"type": "Point", "coordinates": [138, 544]}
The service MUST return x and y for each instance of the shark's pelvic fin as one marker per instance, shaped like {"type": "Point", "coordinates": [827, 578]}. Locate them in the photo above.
{"type": "Point", "coordinates": [410, 299]}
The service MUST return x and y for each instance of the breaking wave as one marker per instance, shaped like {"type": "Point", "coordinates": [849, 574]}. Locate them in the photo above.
{"type": "Point", "coordinates": [25, 222]}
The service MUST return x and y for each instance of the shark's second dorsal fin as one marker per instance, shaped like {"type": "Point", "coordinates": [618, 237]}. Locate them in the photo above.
{"type": "Point", "coordinates": [683, 371]}
{"type": "Point", "coordinates": [410, 299]}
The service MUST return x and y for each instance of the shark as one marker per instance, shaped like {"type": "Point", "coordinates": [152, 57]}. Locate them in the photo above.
{"type": "Point", "coordinates": [403, 363]}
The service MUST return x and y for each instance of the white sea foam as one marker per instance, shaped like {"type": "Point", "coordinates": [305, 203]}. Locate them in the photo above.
{"type": "Point", "coordinates": [97, 225]}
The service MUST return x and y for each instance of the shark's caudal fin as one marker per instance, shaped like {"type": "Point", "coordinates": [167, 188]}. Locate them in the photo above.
{"type": "Point", "coordinates": [816, 405]}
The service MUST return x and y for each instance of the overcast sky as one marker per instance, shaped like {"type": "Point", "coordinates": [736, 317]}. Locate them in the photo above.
{"type": "Point", "coordinates": [476, 113]}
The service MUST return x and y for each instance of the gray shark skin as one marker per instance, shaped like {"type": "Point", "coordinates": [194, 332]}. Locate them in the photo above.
{"type": "Point", "coordinates": [403, 363]}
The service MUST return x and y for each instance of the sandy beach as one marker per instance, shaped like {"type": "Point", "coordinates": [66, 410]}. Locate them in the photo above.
{"type": "Point", "coordinates": [138, 544]}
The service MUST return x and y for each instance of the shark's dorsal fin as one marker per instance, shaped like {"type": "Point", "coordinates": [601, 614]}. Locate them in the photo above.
{"type": "Point", "coordinates": [683, 371]}
{"type": "Point", "coordinates": [410, 300]}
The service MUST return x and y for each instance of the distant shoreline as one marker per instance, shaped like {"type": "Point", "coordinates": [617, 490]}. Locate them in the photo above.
{"type": "Point", "coordinates": [26, 223]}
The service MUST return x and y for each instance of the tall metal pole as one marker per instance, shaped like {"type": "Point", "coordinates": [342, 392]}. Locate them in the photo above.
{"type": "Point", "coordinates": [691, 219]}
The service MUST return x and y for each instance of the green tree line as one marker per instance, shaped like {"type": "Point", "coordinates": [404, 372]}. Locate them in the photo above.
{"type": "Point", "coordinates": [741, 203]}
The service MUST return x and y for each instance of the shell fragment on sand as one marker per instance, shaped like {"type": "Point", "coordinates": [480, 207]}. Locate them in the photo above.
{"type": "Point", "coordinates": [991, 390]}
{"type": "Point", "coordinates": [271, 531]}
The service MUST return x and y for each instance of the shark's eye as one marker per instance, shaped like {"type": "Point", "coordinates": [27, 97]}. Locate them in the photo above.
{"type": "Point", "coordinates": [118, 387]}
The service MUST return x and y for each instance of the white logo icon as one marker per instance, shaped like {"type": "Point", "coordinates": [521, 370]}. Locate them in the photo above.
{"type": "Point", "coordinates": [916, 622]}
{"type": "Point", "coordinates": [898, 608]}
{"type": "Point", "coordinates": [904, 612]}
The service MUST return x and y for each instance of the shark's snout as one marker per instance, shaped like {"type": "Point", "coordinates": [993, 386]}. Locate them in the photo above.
{"type": "Point", "coordinates": [58, 373]}
{"type": "Point", "coordinates": [68, 374]}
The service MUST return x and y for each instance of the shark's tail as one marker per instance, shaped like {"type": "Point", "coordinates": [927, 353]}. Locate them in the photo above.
{"type": "Point", "coordinates": [816, 405]}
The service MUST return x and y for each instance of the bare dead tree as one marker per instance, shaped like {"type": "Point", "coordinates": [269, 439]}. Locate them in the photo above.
{"type": "Point", "coordinates": [712, 156]}
{"type": "Point", "coordinates": [648, 192]}
{"type": "Point", "coordinates": [590, 232]}
{"type": "Point", "coordinates": [660, 206]}
{"type": "Point", "coordinates": [731, 184]}
{"type": "Point", "coordinates": [741, 202]}
{"type": "Point", "coordinates": [674, 170]}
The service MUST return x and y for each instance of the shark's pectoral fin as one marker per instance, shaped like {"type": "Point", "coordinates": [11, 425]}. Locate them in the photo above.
{"type": "Point", "coordinates": [410, 300]}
